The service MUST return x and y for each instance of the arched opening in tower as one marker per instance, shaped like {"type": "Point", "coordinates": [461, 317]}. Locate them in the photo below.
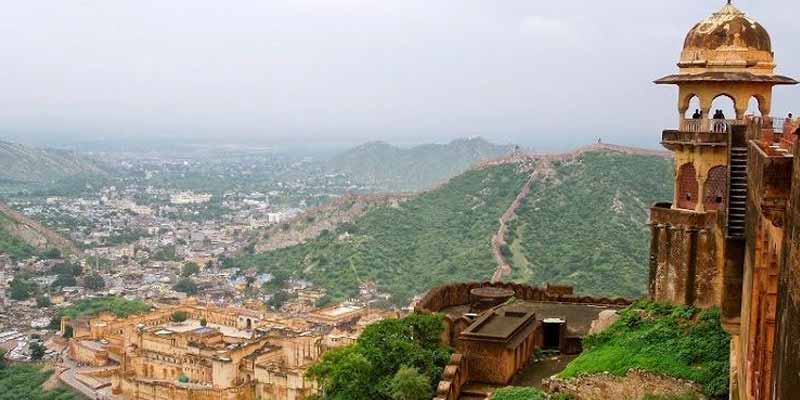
{"type": "Point", "coordinates": [694, 110]}
{"type": "Point", "coordinates": [753, 107]}
{"type": "Point", "coordinates": [723, 108]}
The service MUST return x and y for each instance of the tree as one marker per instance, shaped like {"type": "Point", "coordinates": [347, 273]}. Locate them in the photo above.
{"type": "Point", "coordinates": [370, 369]}
{"type": "Point", "coordinates": [21, 288]}
{"type": "Point", "coordinates": [94, 282]}
{"type": "Point", "coordinates": [186, 285]}
{"type": "Point", "coordinates": [344, 374]}
{"type": "Point", "coordinates": [64, 280]}
{"type": "Point", "coordinates": [37, 351]}
{"type": "Point", "coordinates": [203, 322]}
{"type": "Point", "coordinates": [409, 384]}
{"type": "Point", "coordinates": [189, 269]}
{"type": "Point", "coordinates": [43, 301]}
{"type": "Point", "coordinates": [52, 253]}
{"type": "Point", "coordinates": [179, 316]}
{"type": "Point", "coordinates": [279, 299]}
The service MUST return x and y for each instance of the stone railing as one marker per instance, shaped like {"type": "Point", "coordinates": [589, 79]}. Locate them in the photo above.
{"type": "Point", "coordinates": [693, 138]}
{"type": "Point", "coordinates": [454, 377]}
{"type": "Point", "coordinates": [455, 294]}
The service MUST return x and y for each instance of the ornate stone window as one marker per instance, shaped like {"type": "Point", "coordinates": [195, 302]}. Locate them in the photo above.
{"type": "Point", "coordinates": [687, 187]}
{"type": "Point", "coordinates": [714, 189]}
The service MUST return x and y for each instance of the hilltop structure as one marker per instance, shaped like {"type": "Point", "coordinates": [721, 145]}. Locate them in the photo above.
{"type": "Point", "coordinates": [496, 327]}
{"type": "Point", "coordinates": [729, 238]}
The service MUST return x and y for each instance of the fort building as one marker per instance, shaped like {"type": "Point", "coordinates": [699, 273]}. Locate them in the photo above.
{"type": "Point", "coordinates": [728, 237]}
{"type": "Point", "coordinates": [216, 353]}
{"type": "Point", "coordinates": [495, 328]}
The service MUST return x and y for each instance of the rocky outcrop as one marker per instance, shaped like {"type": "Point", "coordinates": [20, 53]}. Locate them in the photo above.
{"type": "Point", "coordinates": [634, 386]}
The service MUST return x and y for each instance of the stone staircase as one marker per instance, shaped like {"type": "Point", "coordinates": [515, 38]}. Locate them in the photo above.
{"type": "Point", "coordinates": [737, 202]}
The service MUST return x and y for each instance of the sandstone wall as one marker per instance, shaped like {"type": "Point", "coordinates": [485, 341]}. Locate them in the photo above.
{"type": "Point", "coordinates": [455, 294]}
{"type": "Point", "coordinates": [787, 352]}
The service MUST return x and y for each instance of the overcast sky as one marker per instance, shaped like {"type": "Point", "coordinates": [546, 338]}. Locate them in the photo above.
{"type": "Point", "coordinates": [547, 74]}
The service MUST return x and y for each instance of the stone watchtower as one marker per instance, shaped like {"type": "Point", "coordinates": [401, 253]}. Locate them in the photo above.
{"type": "Point", "coordinates": [697, 245]}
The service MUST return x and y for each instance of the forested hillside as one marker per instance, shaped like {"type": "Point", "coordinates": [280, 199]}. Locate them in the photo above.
{"type": "Point", "coordinates": [408, 247]}
{"type": "Point", "coordinates": [586, 225]}
{"type": "Point", "coordinates": [396, 169]}
{"type": "Point", "coordinates": [583, 223]}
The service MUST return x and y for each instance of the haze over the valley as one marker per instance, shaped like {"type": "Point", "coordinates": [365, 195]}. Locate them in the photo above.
{"type": "Point", "coordinates": [548, 75]}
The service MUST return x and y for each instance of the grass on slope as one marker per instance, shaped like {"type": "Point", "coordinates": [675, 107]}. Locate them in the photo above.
{"type": "Point", "coordinates": [681, 342]}
{"type": "Point", "coordinates": [440, 236]}
{"type": "Point", "coordinates": [16, 248]}
{"type": "Point", "coordinates": [588, 227]}
{"type": "Point", "coordinates": [24, 381]}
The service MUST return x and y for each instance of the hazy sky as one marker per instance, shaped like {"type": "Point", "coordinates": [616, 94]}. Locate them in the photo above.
{"type": "Point", "coordinates": [549, 74]}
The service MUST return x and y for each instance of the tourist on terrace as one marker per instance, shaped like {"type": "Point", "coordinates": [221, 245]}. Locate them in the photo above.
{"type": "Point", "coordinates": [697, 114]}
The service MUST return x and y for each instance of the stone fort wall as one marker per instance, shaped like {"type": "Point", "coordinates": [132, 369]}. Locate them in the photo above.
{"type": "Point", "coordinates": [455, 294]}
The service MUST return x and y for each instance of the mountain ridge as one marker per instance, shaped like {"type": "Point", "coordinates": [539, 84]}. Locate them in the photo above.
{"type": "Point", "coordinates": [22, 164]}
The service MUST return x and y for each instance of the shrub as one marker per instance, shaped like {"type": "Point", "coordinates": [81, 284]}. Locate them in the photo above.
{"type": "Point", "coordinates": [179, 316]}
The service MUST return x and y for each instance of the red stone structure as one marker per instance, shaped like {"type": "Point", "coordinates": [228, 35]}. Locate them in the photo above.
{"type": "Point", "coordinates": [735, 246]}
{"type": "Point", "coordinates": [496, 327]}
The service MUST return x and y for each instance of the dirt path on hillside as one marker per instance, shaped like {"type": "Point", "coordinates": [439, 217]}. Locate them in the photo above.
{"type": "Point", "coordinates": [542, 170]}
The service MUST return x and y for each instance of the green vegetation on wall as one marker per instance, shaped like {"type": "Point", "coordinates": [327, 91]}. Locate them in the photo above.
{"type": "Point", "coordinates": [681, 342]}
{"type": "Point", "coordinates": [518, 393]}
{"type": "Point", "coordinates": [407, 248]}
{"type": "Point", "coordinates": [587, 226]}
{"type": "Point", "coordinates": [118, 306]}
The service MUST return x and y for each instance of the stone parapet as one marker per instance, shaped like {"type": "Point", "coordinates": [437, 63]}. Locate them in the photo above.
{"type": "Point", "coordinates": [455, 294]}
{"type": "Point", "coordinates": [454, 377]}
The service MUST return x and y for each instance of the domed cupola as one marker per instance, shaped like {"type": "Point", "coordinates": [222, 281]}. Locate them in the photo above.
{"type": "Point", "coordinates": [728, 39]}
{"type": "Point", "coordinates": [727, 54]}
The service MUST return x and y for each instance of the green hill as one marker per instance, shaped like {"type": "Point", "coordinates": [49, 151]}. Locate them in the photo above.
{"type": "Point", "coordinates": [584, 223]}
{"type": "Point", "coordinates": [438, 236]}
{"type": "Point", "coordinates": [389, 167]}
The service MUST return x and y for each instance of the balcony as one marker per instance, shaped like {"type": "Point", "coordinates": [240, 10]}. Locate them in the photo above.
{"type": "Point", "coordinates": [675, 140]}
{"type": "Point", "coordinates": [664, 214]}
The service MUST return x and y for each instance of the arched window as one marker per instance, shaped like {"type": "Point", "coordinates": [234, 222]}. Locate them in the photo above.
{"type": "Point", "coordinates": [694, 106]}
{"type": "Point", "coordinates": [693, 116]}
{"type": "Point", "coordinates": [714, 188]}
{"type": "Point", "coordinates": [753, 107]}
{"type": "Point", "coordinates": [722, 108]}
{"type": "Point", "coordinates": [687, 187]}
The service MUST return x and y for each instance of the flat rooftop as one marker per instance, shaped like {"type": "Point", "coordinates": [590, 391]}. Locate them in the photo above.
{"type": "Point", "coordinates": [501, 324]}
{"type": "Point", "coordinates": [338, 311]}
{"type": "Point", "coordinates": [193, 326]}
{"type": "Point", "coordinates": [579, 317]}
